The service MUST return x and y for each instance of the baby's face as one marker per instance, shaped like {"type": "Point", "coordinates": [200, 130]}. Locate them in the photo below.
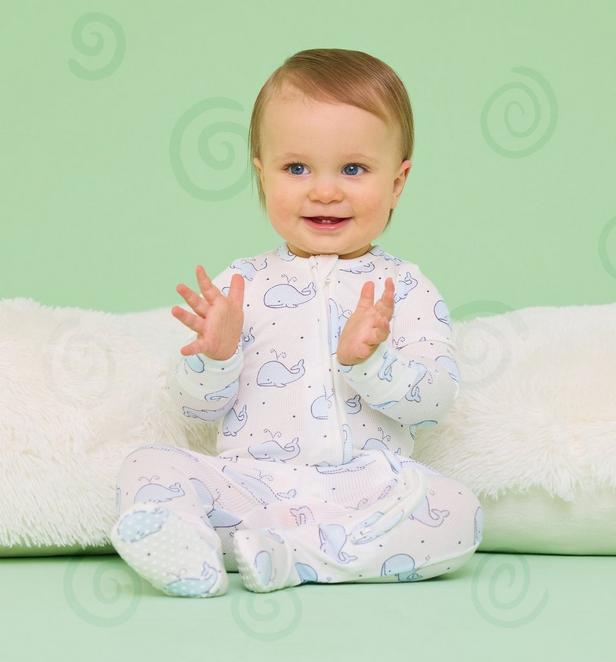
{"type": "Point", "coordinates": [321, 159]}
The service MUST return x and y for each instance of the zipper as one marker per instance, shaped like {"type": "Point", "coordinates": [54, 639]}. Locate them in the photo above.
{"type": "Point", "coordinates": [328, 362]}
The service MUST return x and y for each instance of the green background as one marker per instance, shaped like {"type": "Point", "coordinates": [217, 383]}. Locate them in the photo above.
{"type": "Point", "coordinates": [125, 162]}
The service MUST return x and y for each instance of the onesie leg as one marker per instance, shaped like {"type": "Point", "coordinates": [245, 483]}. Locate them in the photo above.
{"type": "Point", "coordinates": [188, 483]}
{"type": "Point", "coordinates": [223, 493]}
{"type": "Point", "coordinates": [386, 543]}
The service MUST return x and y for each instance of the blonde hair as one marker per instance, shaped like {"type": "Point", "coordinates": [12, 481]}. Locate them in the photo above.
{"type": "Point", "coordinates": [338, 75]}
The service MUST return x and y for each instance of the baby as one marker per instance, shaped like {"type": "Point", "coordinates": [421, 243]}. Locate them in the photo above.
{"type": "Point", "coordinates": [319, 360]}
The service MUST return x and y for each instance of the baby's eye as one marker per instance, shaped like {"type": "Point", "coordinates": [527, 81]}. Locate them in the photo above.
{"type": "Point", "coordinates": [355, 165]}
{"type": "Point", "coordinates": [301, 165]}
{"type": "Point", "coordinates": [292, 165]}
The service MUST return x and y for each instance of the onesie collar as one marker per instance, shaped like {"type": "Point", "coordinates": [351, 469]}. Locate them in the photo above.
{"type": "Point", "coordinates": [328, 258]}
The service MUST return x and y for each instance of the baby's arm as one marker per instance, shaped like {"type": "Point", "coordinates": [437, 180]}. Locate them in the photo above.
{"type": "Point", "coordinates": [417, 379]}
{"type": "Point", "coordinates": [207, 388]}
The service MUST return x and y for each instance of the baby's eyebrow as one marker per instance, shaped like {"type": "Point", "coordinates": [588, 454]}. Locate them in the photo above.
{"type": "Point", "coordinates": [355, 155]}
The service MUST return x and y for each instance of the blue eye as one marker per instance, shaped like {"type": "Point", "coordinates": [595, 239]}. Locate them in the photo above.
{"type": "Point", "coordinates": [290, 165]}
{"type": "Point", "coordinates": [356, 165]}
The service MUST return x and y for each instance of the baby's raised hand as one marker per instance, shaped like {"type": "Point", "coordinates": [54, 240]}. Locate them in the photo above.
{"type": "Point", "coordinates": [219, 319]}
{"type": "Point", "coordinates": [368, 326]}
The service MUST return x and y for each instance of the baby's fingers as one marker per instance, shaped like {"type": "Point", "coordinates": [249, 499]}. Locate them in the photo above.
{"type": "Point", "coordinates": [188, 350]}
{"type": "Point", "coordinates": [197, 303]}
{"type": "Point", "coordinates": [385, 304]}
{"type": "Point", "coordinates": [208, 289]}
{"type": "Point", "coordinates": [188, 319]}
{"type": "Point", "coordinates": [236, 289]}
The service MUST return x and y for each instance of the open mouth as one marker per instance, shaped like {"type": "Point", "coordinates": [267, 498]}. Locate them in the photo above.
{"type": "Point", "coordinates": [326, 222]}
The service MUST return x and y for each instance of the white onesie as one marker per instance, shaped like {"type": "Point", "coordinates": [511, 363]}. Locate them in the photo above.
{"type": "Point", "coordinates": [284, 397]}
{"type": "Point", "coordinates": [361, 509]}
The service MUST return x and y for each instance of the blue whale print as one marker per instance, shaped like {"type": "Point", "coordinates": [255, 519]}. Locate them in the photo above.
{"type": "Point", "coordinates": [333, 538]}
{"type": "Point", "coordinates": [275, 373]}
{"type": "Point", "coordinates": [402, 565]}
{"type": "Point", "coordinates": [272, 451]}
{"type": "Point", "coordinates": [247, 268]}
{"type": "Point", "coordinates": [260, 491]}
{"type": "Point", "coordinates": [233, 422]}
{"type": "Point", "coordinates": [218, 517]}
{"type": "Point", "coordinates": [306, 573]}
{"type": "Point", "coordinates": [139, 524]}
{"type": "Point", "coordinates": [158, 493]}
{"type": "Point", "coordinates": [287, 296]}
{"type": "Point", "coordinates": [192, 587]}
{"type": "Point", "coordinates": [321, 405]}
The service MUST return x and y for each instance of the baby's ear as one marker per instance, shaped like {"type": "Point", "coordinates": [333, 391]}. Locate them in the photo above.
{"type": "Point", "coordinates": [259, 167]}
{"type": "Point", "coordinates": [257, 164]}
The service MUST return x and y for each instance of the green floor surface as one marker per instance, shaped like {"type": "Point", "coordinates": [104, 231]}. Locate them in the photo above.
{"type": "Point", "coordinates": [498, 607]}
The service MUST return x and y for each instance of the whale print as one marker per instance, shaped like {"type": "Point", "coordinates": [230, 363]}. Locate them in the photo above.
{"type": "Point", "coordinates": [333, 538]}
{"type": "Point", "coordinates": [261, 492]}
{"type": "Point", "coordinates": [287, 296]}
{"type": "Point", "coordinates": [275, 373]}
{"type": "Point", "coordinates": [401, 565]}
{"type": "Point", "coordinates": [247, 268]}
{"type": "Point", "coordinates": [403, 287]}
{"type": "Point", "coordinates": [193, 587]}
{"type": "Point", "coordinates": [272, 451]}
{"type": "Point", "coordinates": [358, 463]}
{"type": "Point", "coordinates": [320, 406]}
{"type": "Point", "coordinates": [139, 524]}
{"type": "Point", "coordinates": [217, 516]}
{"type": "Point", "coordinates": [306, 573]}
{"type": "Point", "coordinates": [233, 422]}
{"type": "Point", "coordinates": [158, 493]}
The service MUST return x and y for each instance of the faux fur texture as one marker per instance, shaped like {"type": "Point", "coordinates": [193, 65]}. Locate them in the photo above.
{"type": "Point", "coordinates": [79, 389]}
{"type": "Point", "coordinates": [537, 405]}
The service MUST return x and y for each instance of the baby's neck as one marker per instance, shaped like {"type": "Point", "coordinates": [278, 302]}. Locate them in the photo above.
{"type": "Point", "coordinates": [349, 256]}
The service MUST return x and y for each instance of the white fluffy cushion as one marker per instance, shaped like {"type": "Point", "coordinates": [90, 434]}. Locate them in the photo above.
{"type": "Point", "coordinates": [533, 432]}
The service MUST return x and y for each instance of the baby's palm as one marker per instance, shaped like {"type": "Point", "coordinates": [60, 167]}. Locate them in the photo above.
{"type": "Point", "coordinates": [368, 326]}
{"type": "Point", "coordinates": [219, 319]}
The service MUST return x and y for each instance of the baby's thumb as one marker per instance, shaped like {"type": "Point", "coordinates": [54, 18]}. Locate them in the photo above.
{"type": "Point", "coordinates": [236, 289]}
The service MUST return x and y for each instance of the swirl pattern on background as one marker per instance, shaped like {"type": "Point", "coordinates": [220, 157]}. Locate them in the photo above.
{"type": "Point", "coordinates": [187, 162]}
{"type": "Point", "coordinates": [110, 598]}
{"type": "Point", "coordinates": [267, 617]}
{"type": "Point", "coordinates": [604, 252]}
{"type": "Point", "coordinates": [501, 590]}
{"type": "Point", "coordinates": [112, 56]}
{"type": "Point", "coordinates": [507, 107]}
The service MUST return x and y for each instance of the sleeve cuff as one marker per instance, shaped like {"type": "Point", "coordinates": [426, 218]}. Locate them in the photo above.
{"type": "Point", "coordinates": [365, 372]}
{"type": "Point", "coordinates": [198, 374]}
{"type": "Point", "coordinates": [222, 365]}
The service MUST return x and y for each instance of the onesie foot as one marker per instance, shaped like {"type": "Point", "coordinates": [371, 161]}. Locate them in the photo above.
{"type": "Point", "coordinates": [264, 560]}
{"type": "Point", "coordinates": [179, 556]}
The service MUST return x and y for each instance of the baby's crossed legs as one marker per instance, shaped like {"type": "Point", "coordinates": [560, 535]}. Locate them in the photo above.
{"type": "Point", "coordinates": [302, 501]}
{"type": "Point", "coordinates": [231, 494]}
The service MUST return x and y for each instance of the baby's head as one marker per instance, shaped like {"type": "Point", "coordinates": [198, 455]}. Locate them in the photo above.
{"type": "Point", "coordinates": [331, 134]}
